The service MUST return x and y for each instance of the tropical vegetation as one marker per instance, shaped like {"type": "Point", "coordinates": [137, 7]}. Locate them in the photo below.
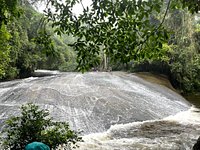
{"type": "Point", "coordinates": [159, 36]}
{"type": "Point", "coordinates": [34, 124]}
{"type": "Point", "coordinates": [121, 34]}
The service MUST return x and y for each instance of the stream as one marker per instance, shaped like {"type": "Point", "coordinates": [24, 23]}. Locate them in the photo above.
{"type": "Point", "coordinates": [114, 110]}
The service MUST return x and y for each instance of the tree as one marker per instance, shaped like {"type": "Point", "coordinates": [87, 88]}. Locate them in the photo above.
{"type": "Point", "coordinates": [23, 51]}
{"type": "Point", "coordinates": [9, 10]}
{"type": "Point", "coordinates": [4, 50]}
{"type": "Point", "coordinates": [184, 63]}
{"type": "Point", "coordinates": [119, 28]}
{"type": "Point", "coordinates": [193, 5]}
{"type": "Point", "coordinates": [34, 124]}
{"type": "Point", "coordinates": [28, 42]}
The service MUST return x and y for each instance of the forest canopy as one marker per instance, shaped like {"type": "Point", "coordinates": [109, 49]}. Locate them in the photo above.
{"type": "Point", "coordinates": [27, 42]}
{"type": "Point", "coordinates": [124, 30]}
{"type": "Point", "coordinates": [137, 33]}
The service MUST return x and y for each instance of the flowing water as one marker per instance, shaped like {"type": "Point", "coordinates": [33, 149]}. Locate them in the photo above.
{"type": "Point", "coordinates": [115, 111]}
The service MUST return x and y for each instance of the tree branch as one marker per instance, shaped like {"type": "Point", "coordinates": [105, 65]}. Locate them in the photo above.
{"type": "Point", "coordinates": [166, 11]}
{"type": "Point", "coordinates": [82, 5]}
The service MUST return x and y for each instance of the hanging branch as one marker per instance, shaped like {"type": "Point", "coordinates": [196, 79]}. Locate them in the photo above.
{"type": "Point", "coordinates": [82, 5]}
{"type": "Point", "coordinates": [166, 11]}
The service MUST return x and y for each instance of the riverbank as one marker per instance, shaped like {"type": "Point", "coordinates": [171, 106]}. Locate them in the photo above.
{"type": "Point", "coordinates": [163, 80]}
{"type": "Point", "coordinates": [156, 78]}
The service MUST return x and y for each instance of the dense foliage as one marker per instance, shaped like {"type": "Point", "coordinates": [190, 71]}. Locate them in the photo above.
{"type": "Point", "coordinates": [109, 33]}
{"type": "Point", "coordinates": [4, 50]}
{"type": "Point", "coordinates": [185, 65]}
{"type": "Point", "coordinates": [9, 10]}
{"type": "Point", "coordinates": [182, 64]}
{"type": "Point", "coordinates": [121, 30]}
{"type": "Point", "coordinates": [34, 124]}
{"type": "Point", "coordinates": [26, 44]}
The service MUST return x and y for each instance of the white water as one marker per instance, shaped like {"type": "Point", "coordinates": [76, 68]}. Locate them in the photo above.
{"type": "Point", "coordinates": [115, 111]}
{"type": "Point", "coordinates": [177, 132]}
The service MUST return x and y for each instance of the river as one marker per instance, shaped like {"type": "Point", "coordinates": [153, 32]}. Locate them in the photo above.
{"type": "Point", "coordinates": [115, 111]}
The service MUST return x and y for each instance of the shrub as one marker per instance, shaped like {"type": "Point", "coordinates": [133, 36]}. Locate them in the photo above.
{"type": "Point", "coordinates": [35, 125]}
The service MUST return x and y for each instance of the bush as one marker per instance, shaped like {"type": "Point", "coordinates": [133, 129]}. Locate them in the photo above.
{"type": "Point", "coordinates": [34, 125]}
{"type": "Point", "coordinates": [11, 73]}
{"type": "Point", "coordinates": [185, 69]}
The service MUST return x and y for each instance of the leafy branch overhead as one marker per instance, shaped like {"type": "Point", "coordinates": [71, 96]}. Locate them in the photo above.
{"type": "Point", "coordinates": [120, 29]}
{"type": "Point", "coordinates": [193, 5]}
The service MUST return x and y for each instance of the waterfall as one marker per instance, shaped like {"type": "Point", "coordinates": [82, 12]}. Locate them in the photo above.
{"type": "Point", "coordinates": [114, 110]}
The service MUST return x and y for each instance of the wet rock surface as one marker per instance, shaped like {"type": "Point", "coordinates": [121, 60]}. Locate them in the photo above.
{"type": "Point", "coordinates": [92, 102]}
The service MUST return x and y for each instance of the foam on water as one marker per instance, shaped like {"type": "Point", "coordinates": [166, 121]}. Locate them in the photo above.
{"type": "Point", "coordinates": [171, 133]}
{"type": "Point", "coordinates": [116, 111]}
{"type": "Point", "coordinates": [192, 116]}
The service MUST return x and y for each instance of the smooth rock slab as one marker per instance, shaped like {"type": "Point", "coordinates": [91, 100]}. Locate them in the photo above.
{"type": "Point", "coordinates": [93, 101]}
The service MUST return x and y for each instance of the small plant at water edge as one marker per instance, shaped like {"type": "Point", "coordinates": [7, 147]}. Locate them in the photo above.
{"type": "Point", "coordinates": [34, 124]}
